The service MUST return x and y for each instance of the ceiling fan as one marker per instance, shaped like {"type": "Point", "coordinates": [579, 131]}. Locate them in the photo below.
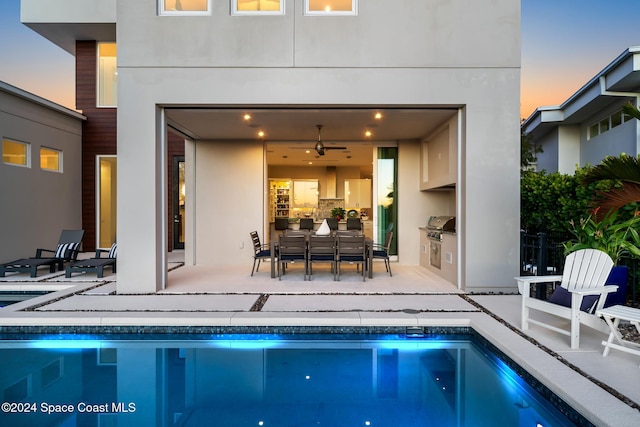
{"type": "Point", "coordinates": [320, 148]}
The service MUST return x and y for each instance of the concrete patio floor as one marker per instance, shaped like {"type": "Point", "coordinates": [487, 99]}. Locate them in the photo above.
{"type": "Point", "coordinates": [604, 389]}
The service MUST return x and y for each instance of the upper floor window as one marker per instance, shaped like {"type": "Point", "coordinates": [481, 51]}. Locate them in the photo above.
{"type": "Point", "coordinates": [50, 159]}
{"type": "Point", "coordinates": [16, 153]}
{"type": "Point", "coordinates": [607, 123]}
{"type": "Point", "coordinates": [257, 7]}
{"type": "Point", "coordinates": [331, 7]}
{"type": "Point", "coordinates": [107, 75]}
{"type": "Point", "coordinates": [184, 7]}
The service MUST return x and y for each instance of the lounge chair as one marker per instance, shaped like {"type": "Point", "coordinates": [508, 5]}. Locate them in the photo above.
{"type": "Point", "coordinates": [582, 283]}
{"type": "Point", "coordinates": [67, 250]}
{"type": "Point", "coordinates": [96, 264]}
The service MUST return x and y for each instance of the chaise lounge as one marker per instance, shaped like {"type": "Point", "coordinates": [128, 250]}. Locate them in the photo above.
{"type": "Point", "coordinates": [67, 250]}
{"type": "Point", "coordinates": [96, 264]}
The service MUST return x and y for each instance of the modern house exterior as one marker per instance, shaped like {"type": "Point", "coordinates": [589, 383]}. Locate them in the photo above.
{"type": "Point", "coordinates": [160, 79]}
{"type": "Point", "coordinates": [40, 172]}
{"type": "Point", "coordinates": [590, 125]}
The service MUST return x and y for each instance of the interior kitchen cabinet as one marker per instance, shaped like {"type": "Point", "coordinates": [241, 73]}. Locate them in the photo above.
{"type": "Point", "coordinates": [439, 158]}
{"type": "Point", "coordinates": [357, 193]}
{"type": "Point", "coordinates": [305, 193]}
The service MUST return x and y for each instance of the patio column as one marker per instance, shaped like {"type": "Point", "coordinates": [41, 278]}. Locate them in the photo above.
{"type": "Point", "coordinates": [142, 208]}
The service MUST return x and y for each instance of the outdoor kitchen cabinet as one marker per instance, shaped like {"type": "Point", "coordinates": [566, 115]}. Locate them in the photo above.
{"type": "Point", "coordinates": [438, 159]}
{"type": "Point", "coordinates": [449, 260]}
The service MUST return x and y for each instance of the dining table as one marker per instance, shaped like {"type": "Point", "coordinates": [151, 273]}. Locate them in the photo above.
{"type": "Point", "coordinates": [273, 246]}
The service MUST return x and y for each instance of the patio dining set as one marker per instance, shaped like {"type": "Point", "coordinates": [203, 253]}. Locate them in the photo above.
{"type": "Point", "coordinates": [336, 248]}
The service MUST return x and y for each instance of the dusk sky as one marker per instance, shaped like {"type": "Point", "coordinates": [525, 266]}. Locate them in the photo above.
{"type": "Point", "coordinates": [564, 44]}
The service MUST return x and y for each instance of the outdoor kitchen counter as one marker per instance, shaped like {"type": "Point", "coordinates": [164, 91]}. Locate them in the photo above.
{"type": "Point", "coordinates": [448, 248]}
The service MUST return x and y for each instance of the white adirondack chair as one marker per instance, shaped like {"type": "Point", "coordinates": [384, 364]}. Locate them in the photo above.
{"type": "Point", "coordinates": [585, 273]}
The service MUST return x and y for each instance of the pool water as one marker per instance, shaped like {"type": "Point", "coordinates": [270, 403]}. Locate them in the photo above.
{"type": "Point", "coordinates": [263, 380]}
{"type": "Point", "coordinates": [8, 298]}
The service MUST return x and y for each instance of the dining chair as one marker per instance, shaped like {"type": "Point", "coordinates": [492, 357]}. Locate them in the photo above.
{"type": "Point", "coordinates": [322, 249]}
{"type": "Point", "coordinates": [332, 223]}
{"type": "Point", "coordinates": [352, 250]}
{"type": "Point", "coordinates": [347, 232]}
{"type": "Point", "coordinates": [382, 251]}
{"type": "Point", "coordinates": [281, 224]}
{"type": "Point", "coordinates": [261, 251]}
{"type": "Point", "coordinates": [292, 249]}
{"type": "Point", "coordinates": [306, 223]}
{"type": "Point", "coordinates": [354, 224]}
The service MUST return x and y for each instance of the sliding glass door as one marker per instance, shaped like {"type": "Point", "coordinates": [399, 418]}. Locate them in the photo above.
{"type": "Point", "coordinates": [387, 191]}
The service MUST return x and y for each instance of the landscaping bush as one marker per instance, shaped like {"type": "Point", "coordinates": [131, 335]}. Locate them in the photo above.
{"type": "Point", "coordinates": [549, 201]}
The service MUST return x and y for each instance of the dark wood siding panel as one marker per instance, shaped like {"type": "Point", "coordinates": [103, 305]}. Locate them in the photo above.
{"type": "Point", "coordinates": [99, 134]}
{"type": "Point", "coordinates": [99, 137]}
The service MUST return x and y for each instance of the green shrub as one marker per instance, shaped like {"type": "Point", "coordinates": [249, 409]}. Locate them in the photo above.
{"type": "Point", "coordinates": [550, 201]}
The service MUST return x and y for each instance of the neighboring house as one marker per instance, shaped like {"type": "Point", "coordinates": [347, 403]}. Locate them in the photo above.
{"type": "Point", "coordinates": [40, 177]}
{"type": "Point", "coordinates": [444, 77]}
{"type": "Point", "coordinates": [590, 125]}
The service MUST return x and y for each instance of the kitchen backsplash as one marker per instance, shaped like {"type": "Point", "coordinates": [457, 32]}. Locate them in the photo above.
{"type": "Point", "coordinates": [326, 205]}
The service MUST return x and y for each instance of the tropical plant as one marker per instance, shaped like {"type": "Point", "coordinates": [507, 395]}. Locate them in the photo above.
{"type": "Point", "coordinates": [338, 212]}
{"type": "Point", "coordinates": [631, 110]}
{"type": "Point", "coordinates": [610, 235]}
{"type": "Point", "coordinates": [624, 169]}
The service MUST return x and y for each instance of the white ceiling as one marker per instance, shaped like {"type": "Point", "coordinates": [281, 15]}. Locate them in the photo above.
{"type": "Point", "coordinates": [289, 133]}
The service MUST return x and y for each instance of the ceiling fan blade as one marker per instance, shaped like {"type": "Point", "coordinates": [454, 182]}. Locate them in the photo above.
{"type": "Point", "coordinates": [335, 148]}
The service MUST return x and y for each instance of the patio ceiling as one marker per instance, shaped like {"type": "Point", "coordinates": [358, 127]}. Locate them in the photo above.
{"type": "Point", "coordinates": [290, 134]}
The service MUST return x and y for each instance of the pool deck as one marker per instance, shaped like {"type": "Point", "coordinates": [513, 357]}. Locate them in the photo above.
{"type": "Point", "coordinates": [603, 389]}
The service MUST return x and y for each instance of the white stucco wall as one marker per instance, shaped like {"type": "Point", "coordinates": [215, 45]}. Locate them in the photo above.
{"type": "Point", "coordinates": [229, 201]}
{"type": "Point", "coordinates": [453, 53]}
{"type": "Point", "coordinates": [568, 149]}
{"type": "Point", "coordinates": [38, 204]}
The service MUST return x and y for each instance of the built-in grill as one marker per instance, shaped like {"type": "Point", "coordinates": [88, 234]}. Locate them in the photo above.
{"type": "Point", "coordinates": [436, 225]}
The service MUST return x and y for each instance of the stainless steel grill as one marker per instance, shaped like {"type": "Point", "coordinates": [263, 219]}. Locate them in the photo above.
{"type": "Point", "coordinates": [436, 225]}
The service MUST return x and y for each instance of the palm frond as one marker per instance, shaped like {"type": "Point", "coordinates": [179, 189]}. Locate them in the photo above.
{"type": "Point", "coordinates": [616, 198]}
{"type": "Point", "coordinates": [631, 110]}
{"type": "Point", "coordinates": [624, 168]}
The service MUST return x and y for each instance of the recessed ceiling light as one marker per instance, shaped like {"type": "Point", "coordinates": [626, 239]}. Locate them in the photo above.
{"type": "Point", "coordinates": [307, 151]}
{"type": "Point", "coordinates": [247, 116]}
{"type": "Point", "coordinates": [367, 133]}
{"type": "Point", "coordinates": [378, 116]}
{"type": "Point", "coordinates": [310, 163]}
{"type": "Point", "coordinates": [261, 134]}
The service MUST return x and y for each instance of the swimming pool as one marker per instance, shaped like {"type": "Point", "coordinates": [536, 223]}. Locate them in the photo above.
{"type": "Point", "coordinates": [396, 378]}
{"type": "Point", "coordinates": [8, 298]}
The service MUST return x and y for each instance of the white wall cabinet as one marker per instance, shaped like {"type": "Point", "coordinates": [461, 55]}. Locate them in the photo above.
{"type": "Point", "coordinates": [305, 193]}
{"type": "Point", "coordinates": [357, 193]}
